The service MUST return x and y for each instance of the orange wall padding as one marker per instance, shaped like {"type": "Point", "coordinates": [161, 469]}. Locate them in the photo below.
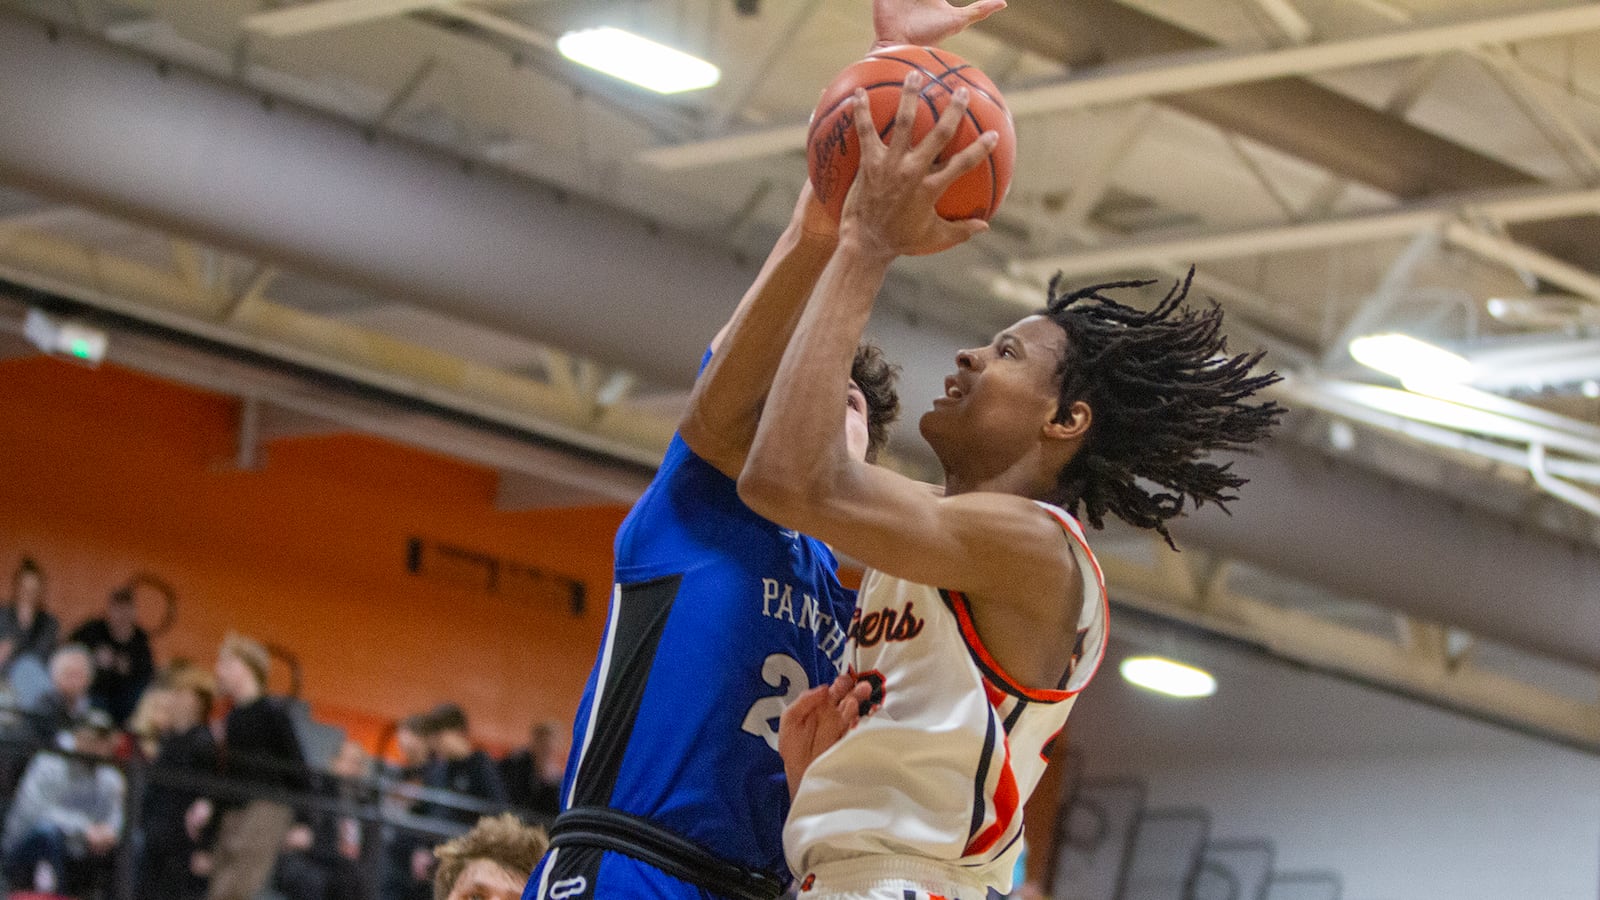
{"type": "Point", "coordinates": [105, 473]}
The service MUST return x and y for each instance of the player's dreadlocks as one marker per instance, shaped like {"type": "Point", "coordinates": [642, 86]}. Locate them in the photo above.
{"type": "Point", "coordinates": [1163, 393]}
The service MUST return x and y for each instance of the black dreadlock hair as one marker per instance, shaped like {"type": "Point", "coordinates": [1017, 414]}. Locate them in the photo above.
{"type": "Point", "coordinates": [1163, 393]}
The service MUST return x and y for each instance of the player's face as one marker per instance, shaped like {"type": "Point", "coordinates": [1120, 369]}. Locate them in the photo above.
{"type": "Point", "coordinates": [484, 880]}
{"type": "Point", "coordinates": [1000, 396]}
{"type": "Point", "coordinates": [855, 421]}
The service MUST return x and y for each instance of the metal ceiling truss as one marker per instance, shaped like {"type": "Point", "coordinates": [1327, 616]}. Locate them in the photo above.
{"type": "Point", "coordinates": [587, 412]}
{"type": "Point", "coordinates": [1498, 206]}
{"type": "Point", "coordinates": [1420, 659]}
{"type": "Point", "coordinates": [1185, 73]}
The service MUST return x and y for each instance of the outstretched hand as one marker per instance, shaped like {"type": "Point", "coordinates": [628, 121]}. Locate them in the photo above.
{"type": "Point", "coordinates": [890, 208]}
{"type": "Point", "coordinates": [925, 22]}
{"type": "Point", "coordinates": [816, 721]}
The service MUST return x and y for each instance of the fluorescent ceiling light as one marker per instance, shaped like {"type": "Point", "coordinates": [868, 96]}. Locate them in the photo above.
{"type": "Point", "coordinates": [638, 60]}
{"type": "Point", "coordinates": [1165, 676]}
{"type": "Point", "coordinates": [1409, 359]}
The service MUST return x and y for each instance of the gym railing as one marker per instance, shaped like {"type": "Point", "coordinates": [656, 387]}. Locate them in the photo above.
{"type": "Point", "coordinates": [385, 808]}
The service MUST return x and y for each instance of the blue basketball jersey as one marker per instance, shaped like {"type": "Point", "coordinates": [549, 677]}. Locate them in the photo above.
{"type": "Point", "coordinates": [718, 620]}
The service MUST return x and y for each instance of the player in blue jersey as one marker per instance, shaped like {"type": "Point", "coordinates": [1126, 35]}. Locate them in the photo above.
{"type": "Point", "coordinates": [718, 618]}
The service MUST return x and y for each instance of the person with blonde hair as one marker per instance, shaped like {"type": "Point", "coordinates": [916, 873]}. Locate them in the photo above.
{"type": "Point", "coordinates": [259, 748]}
{"type": "Point", "coordinates": [185, 744]}
{"type": "Point", "coordinates": [490, 862]}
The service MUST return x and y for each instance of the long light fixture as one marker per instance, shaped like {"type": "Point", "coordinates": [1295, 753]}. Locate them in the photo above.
{"type": "Point", "coordinates": [638, 60]}
{"type": "Point", "coordinates": [1164, 676]}
{"type": "Point", "coordinates": [1410, 359]}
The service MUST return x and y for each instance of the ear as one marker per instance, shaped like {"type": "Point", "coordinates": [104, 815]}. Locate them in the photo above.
{"type": "Point", "coordinates": [1074, 427]}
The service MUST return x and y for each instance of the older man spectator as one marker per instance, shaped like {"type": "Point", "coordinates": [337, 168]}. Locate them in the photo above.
{"type": "Point", "coordinates": [52, 714]}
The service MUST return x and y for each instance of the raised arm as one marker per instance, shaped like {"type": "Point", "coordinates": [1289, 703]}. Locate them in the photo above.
{"type": "Point", "coordinates": [798, 473]}
{"type": "Point", "coordinates": [720, 422]}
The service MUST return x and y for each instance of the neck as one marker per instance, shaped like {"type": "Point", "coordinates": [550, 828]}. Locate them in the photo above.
{"type": "Point", "coordinates": [1029, 477]}
{"type": "Point", "coordinates": [247, 696]}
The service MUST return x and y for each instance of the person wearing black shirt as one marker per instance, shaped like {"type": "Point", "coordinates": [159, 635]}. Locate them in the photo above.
{"type": "Point", "coordinates": [120, 648]}
{"type": "Point", "coordinates": [27, 630]}
{"type": "Point", "coordinates": [533, 775]}
{"type": "Point", "coordinates": [170, 839]}
{"type": "Point", "coordinates": [259, 747]}
{"type": "Point", "coordinates": [459, 767]}
{"type": "Point", "coordinates": [322, 856]}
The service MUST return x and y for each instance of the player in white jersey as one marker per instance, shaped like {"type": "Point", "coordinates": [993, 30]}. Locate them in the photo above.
{"type": "Point", "coordinates": [984, 611]}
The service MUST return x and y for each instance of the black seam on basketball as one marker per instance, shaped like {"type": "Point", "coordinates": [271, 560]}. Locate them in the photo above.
{"type": "Point", "coordinates": [936, 79]}
{"type": "Point", "coordinates": [817, 118]}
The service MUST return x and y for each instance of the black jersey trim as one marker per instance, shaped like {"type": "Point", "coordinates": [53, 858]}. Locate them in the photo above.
{"type": "Point", "coordinates": [641, 616]}
{"type": "Point", "coordinates": [648, 842]}
{"type": "Point", "coordinates": [980, 803]}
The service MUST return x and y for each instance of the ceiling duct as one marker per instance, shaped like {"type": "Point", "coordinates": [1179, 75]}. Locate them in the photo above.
{"type": "Point", "coordinates": [1343, 527]}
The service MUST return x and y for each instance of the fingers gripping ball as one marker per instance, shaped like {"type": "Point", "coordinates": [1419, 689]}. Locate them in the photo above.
{"type": "Point", "coordinates": [833, 150]}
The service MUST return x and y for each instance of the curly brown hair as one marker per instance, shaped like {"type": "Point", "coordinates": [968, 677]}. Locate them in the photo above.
{"type": "Point", "coordinates": [503, 840]}
{"type": "Point", "coordinates": [876, 377]}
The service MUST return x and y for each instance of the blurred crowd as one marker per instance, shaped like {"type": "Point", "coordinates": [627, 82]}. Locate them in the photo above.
{"type": "Point", "coordinates": [122, 778]}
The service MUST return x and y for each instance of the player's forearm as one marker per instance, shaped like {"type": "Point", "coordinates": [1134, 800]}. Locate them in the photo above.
{"type": "Point", "coordinates": [799, 458]}
{"type": "Point", "coordinates": [720, 422]}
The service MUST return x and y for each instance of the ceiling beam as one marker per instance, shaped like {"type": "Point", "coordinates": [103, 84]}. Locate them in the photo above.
{"type": "Point", "coordinates": [1180, 73]}
{"type": "Point", "coordinates": [293, 21]}
{"type": "Point", "coordinates": [1403, 222]}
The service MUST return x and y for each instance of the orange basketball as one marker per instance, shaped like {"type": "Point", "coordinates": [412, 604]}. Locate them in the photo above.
{"type": "Point", "coordinates": [833, 151]}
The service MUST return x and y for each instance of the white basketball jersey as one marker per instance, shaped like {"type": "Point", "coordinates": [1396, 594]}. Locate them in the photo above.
{"type": "Point", "coordinates": [940, 772]}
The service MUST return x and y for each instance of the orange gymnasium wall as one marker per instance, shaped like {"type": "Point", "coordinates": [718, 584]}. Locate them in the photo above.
{"type": "Point", "coordinates": [105, 473]}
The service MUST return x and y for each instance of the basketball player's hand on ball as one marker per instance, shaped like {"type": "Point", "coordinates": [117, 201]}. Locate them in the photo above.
{"type": "Point", "coordinates": [816, 721]}
{"type": "Point", "coordinates": [889, 210]}
{"type": "Point", "coordinates": [925, 22]}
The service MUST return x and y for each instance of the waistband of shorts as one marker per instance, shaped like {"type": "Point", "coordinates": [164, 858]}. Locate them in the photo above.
{"type": "Point", "coordinates": [866, 873]}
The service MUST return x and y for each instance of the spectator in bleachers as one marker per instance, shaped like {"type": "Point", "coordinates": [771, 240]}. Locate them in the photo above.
{"type": "Point", "coordinates": [533, 775]}
{"type": "Point", "coordinates": [151, 721]}
{"type": "Point", "coordinates": [120, 649]}
{"type": "Point", "coordinates": [67, 698]}
{"type": "Point", "coordinates": [67, 816]}
{"type": "Point", "coordinates": [173, 814]}
{"type": "Point", "coordinates": [413, 750]}
{"type": "Point", "coordinates": [259, 748]}
{"type": "Point", "coordinates": [27, 633]}
{"type": "Point", "coordinates": [400, 879]}
{"type": "Point", "coordinates": [321, 858]}
{"type": "Point", "coordinates": [458, 765]}
{"type": "Point", "coordinates": [490, 862]}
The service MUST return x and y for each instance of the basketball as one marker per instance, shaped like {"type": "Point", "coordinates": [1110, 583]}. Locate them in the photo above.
{"type": "Point", "coordinates": [833, 151]}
